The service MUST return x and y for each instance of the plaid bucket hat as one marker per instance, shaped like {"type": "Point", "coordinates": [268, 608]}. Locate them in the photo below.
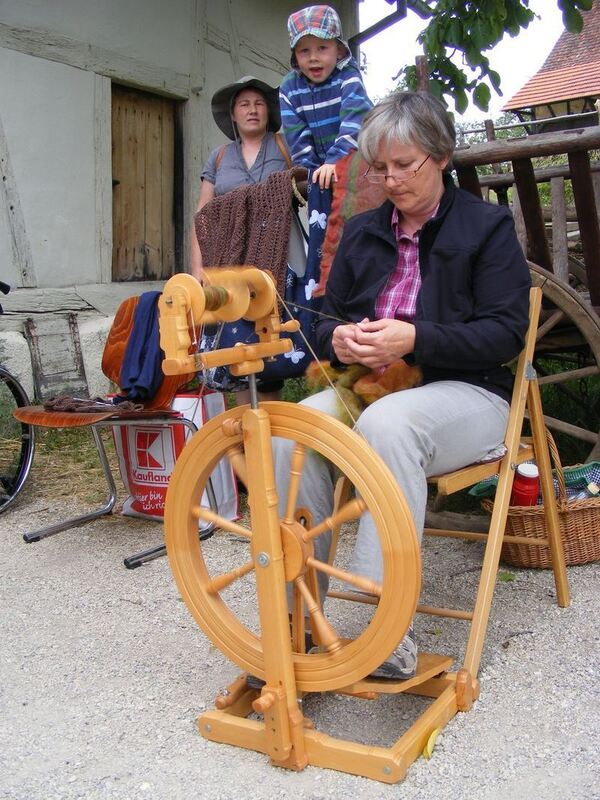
{"type": "Point", "coordinates": [320, 21]}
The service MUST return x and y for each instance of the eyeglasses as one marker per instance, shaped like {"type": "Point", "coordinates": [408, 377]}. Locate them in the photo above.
{"type": "Point", "coordinates": [398, 177]}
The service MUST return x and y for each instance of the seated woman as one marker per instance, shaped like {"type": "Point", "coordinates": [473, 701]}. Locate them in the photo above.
{"type": "Point", "coordinates": [434, 276]}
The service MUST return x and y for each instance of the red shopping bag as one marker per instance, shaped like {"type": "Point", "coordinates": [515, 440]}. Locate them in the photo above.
{"type": "Point", "coordinates": [147, 455]}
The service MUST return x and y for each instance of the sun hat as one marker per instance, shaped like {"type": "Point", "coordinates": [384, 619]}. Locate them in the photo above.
{"type": "Point", "coordinates": [223, 99]}
{"type": "Point", "coordinates": [320, 21]}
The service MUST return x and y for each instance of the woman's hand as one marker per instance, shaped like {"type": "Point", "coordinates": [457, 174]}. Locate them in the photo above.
{"type": "Point", "coordinates": [342, 336]}
{"type": "Point", "coordinates": [324, 175]}
{"type": "Point", "coordinates": [378, 343]}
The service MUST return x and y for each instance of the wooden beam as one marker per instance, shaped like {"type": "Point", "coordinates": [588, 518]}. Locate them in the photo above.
{"type": "Point", "coordinates": [538, 250]}
{"type": "Point", "coordinates": [519, 222]}
{"type": "Point", "coordinates": [541, 176]}
{"type": "Point", "coordinates": [585, 203]}
{"type": "Point", "coordinates": [103, 178]}
{"type": "Point", "coordinates": [129, 71]}
{"type": "Point", "coordinates": [19, 240]}
{"type": "Point", "coordinates": [537, 145]}
{"type": "Point", "coordinates": [560, 254]}
{"type": "Point", "coordinates": [468, 180]}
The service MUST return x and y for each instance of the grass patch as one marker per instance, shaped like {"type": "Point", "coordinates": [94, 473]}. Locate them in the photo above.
{"type": "Point", "coordinates": [66, 464]}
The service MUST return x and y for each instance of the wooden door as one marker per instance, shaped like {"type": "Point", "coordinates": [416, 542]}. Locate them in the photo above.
{"type": "Point", "coordinates": [143, 171]}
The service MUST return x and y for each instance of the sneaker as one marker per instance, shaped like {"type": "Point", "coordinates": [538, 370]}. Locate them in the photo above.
{"type": "Point", "coordinates": [402, 663]}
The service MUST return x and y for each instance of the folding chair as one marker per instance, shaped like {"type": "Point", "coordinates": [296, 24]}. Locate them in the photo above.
{"type": "Point", "coordinates": [156, 413]}
{"type": "Point", "coordinates": [525, 400]}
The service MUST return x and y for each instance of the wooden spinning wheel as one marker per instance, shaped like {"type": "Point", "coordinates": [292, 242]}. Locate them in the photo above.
{"type": "Point", "coordinates": [280, 548]}
{"type": "Point", "coordinates": [280, 539]}
{"type": "Point", "coordinates": [341, 662]}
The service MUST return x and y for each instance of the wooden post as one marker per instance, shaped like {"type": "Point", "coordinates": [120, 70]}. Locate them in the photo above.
{"type": "Point", "coordinates": [519, 222]}
{"type": "Point", "coordinates": [538, 249]}
{"type": "Point", "coordinates": [585, 203]}
{"type": "Point", "coordinates": [501, 192]}
{"type": "Point", "coordinates": [422, 74]}
{"type": "Point", "coordinates": [560, 255]}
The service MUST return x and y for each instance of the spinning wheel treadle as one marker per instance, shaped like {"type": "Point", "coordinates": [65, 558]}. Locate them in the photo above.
{"type": "Point", "coordinates": [343, 662]}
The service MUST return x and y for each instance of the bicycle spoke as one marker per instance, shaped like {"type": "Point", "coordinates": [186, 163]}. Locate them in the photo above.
{"type": "Point", "coordinates": [325, 633]}
{"type": "Point", "coordinates": [348, 512]}
{"type": "Point", "coordinates": [205, 514]}
{"type": "Point", "coordinates": [364, 584]}
{"type": "Point", "coordinates": [220, 582]}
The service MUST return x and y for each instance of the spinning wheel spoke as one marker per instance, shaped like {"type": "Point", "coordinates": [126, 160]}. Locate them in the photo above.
{"type": "Point", "coordinates": [298, 627]}
{"type": "Point", "coordinates": [296, 465]}
{"type": "Point", "coordinates": [351, 510]}
{"type": "Point", "coordinates": [324, 632]}
{"type": "Point", "coordinates": [237, 459]}
{"type": "Point", "coordinates": [205, 514]}
{"type": "Point", "coordinates": [361, 583]}
{"type": "Point", "coordinates": [220, 582]}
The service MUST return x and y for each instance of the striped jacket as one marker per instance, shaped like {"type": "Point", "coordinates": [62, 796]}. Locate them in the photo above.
{"type": "Point", "coordinates": [321, 120]}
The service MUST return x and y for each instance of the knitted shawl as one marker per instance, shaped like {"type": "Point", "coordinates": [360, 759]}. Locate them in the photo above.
{"type": "Point", "coordinates": [249, 225]}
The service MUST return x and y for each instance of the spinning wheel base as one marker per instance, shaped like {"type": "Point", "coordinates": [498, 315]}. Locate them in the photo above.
{"type": "Point", "coordinates": [229, 725]}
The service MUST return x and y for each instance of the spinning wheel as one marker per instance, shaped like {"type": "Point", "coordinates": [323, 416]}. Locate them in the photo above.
{"type": "Point", "coordinates": [341, 662]}
{"type": "Point", "coordinates": [280, 538]}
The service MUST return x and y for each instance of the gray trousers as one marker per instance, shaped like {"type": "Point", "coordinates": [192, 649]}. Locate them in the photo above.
{"type": "Point", "coordinates": [418, 433]}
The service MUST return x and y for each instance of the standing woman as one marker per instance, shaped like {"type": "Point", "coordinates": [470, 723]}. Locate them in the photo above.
{"type": "Point", "coordinates": [247, 112]}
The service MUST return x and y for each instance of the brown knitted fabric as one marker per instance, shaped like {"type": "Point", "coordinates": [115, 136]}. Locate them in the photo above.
{"type": "Point", "coordinates": [84, 405]}
{"type": "Point", "coordinates": [249, 225]}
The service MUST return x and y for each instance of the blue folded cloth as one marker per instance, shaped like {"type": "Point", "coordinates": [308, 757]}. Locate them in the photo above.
{"type": "Point", "coordinates": [141, 373]}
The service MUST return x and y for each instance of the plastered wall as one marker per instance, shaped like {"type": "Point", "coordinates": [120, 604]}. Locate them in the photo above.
{"type": "Point", "coordinates": [57, 62]}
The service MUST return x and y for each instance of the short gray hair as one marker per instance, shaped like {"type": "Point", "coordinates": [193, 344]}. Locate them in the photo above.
{"type": "Point", "coordinates": [410, 118]}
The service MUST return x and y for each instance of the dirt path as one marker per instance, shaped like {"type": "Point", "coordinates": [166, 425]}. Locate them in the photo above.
{"type": "Point", "coordinates": [103, 673]}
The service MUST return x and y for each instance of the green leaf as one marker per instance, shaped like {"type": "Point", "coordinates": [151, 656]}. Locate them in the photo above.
{"type": "Point", "coordinates": [461, 101]}
{"type": "Point", "coordinates": [482, 96]}
{"type": "Point", "coordinates": [494, 79]}
{"type": "Point", "coordinates": [506, 577]}
{"type": "Point", "coordinates": [573, 20]}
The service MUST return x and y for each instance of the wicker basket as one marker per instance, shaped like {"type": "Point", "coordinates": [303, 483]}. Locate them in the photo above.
{"type": "Point", "coordinates": [579, 527]}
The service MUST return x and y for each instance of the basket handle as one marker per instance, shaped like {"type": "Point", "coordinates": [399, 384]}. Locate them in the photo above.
{"type": "Point", "coordinates": [560, 475]}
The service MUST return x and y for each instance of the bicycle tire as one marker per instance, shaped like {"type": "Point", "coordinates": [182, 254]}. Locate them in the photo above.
{"type": "Point", "coordinates": [17, 440]}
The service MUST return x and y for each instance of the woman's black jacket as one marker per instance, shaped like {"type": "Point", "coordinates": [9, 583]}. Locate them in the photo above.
{"type": "Point", "coordinates": [472, 308]}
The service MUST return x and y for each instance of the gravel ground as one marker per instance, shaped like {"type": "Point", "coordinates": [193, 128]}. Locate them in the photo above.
{"type": "Point", "coordinates": [104, 672]}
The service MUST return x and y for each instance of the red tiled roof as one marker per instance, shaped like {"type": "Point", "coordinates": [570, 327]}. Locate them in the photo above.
{"type": "Point", "coordinates": [584, 46]}
{"type": "Point", "coordinates": [571, 71]}
{"type": "Point", "coordinates": [568, 83]}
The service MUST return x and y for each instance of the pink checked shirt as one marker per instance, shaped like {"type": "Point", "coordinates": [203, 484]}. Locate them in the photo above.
{"type": "Point", "coordinates": [398, 298]}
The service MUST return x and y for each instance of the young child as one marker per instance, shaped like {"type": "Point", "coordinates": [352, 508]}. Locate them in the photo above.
{"type": "Point", "coordinates": [323, 99]}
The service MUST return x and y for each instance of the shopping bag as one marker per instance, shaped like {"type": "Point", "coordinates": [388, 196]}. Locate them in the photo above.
{"type": "Point", "coordinates": [147, 455]}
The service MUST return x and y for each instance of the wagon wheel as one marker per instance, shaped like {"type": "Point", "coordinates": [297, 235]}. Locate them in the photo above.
{"type": "Point", "coordinates": [569, 335]}
{"type": "Point", "coordinates": [206, 594]}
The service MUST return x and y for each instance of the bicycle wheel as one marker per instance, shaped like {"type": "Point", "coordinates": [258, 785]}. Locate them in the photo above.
{"type": "Point", "coordinates": [16, 440]}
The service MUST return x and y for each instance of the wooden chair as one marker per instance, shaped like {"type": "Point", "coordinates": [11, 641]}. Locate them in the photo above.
{"type": "Point", "coordinates": [525, 399]}
{"type": "Point", "coordinates": [156, 413]}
